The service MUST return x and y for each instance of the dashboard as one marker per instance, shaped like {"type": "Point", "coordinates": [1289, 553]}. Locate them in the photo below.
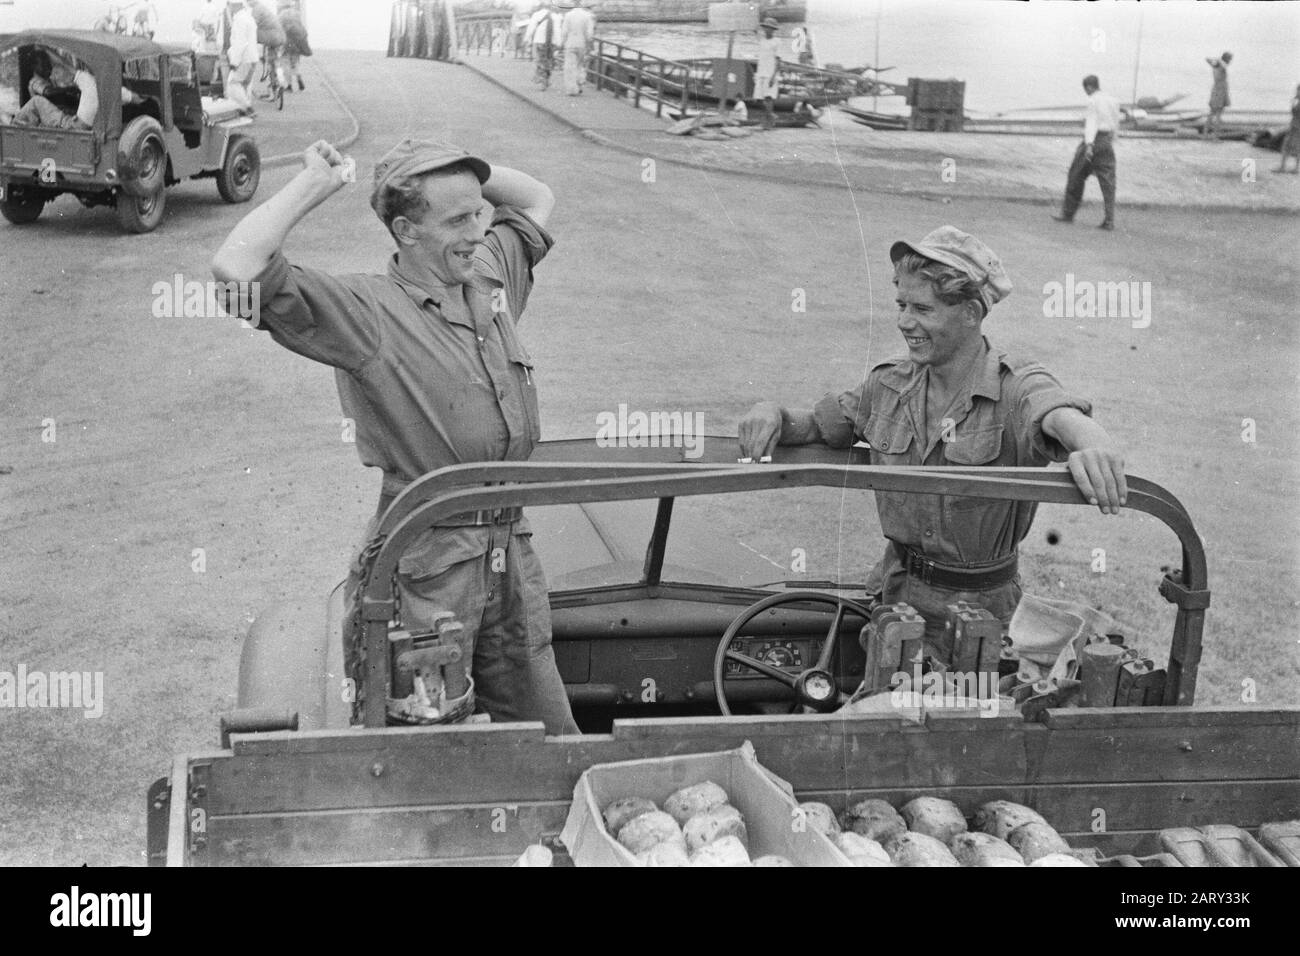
{"type": "Point", "coordinates": [793, 655]}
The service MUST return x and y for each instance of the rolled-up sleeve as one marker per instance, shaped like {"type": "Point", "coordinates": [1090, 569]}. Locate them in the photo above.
{"type": "Point", "coordinates": [841, 418]}
{"type": "Point", "coordinates": [1038, 393]}
{"type": "Point", "coordinates": [329, 319]}
{"type": "Point", "coordinates": [513, 245]}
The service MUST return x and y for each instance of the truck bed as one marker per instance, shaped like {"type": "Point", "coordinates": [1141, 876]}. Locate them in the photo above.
{"type": "Point", "coordinates": [480, 794]}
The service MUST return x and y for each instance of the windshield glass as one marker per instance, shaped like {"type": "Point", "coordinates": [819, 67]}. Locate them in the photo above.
{"type": "Point", "coordinates": [809, 537]}
{"type": "Point", "coordinates": [804, 537]}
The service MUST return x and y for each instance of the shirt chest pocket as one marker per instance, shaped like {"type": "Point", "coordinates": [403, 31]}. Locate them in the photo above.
{"type": "Point", "coordinates": [979, 446]}
{"type": "Point", "coordinates": [890, 440]}
{"type": "Point", "coordinates": [521, 364]}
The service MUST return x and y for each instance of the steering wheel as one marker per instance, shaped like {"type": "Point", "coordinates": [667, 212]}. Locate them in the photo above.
{"type": "Point", "coordinates": [815, 687]}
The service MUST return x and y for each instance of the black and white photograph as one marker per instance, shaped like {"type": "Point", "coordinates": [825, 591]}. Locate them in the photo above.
{"type": "Point", "coordinates": [642, 433]}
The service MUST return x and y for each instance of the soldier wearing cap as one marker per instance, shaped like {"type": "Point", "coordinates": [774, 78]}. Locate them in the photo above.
{"type": "Point", "coordinates": [430, 367]}
{"type": "Point", "coordinates": [769, 60]}
{"type": "Point", "coordinates": [954, 399]}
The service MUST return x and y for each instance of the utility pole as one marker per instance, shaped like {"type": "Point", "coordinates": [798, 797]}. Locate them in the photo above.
{"type": "Point", "coordinates": [1137, 58]}
{"type": "Point", "coordinates": [875, 88]}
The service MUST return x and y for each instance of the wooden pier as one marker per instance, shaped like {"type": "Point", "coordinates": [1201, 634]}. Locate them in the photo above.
{"type": "Point", "coordinates": [679, 86]}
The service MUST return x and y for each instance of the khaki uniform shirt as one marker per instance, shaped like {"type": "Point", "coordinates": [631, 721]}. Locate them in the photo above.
{"type": "Point", "coordinates": [996, 420]}
{"type": "Point", "coordinates": [432, 375]}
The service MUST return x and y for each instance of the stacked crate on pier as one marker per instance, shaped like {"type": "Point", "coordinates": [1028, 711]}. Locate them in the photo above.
{"type": "Point", "coordinates": [937, 105]}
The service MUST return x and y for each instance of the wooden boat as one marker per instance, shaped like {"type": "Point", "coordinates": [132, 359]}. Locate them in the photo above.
{"type": "Point", "coordinates": [796, 84]}
{"type": "Point", "coordinates": [685, 11]}
{"type": "Point", "coordinates": [648, 11]}
{"type": "Point", "coordinates": [874, 119]}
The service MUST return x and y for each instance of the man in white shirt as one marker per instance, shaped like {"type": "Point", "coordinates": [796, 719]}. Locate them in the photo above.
{"type": "Point", "coordinates": [1095, 155]}
{"type": "Point", "coordinates": [543, 34]}
{"type": "Point", "coordinates": [210, 39]}
{"type": "Point", "coordinates": [243, 53]}
{"type": "Point", "coordinates": [576, 33]}
{"type": "Point", "coordinates": [765, 85]}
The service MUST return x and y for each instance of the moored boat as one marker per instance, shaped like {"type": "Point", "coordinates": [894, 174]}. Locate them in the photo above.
{"type": "Point", "coordinates": [648, 11]}
{"type": "Point", "coordinates": [797, 84]}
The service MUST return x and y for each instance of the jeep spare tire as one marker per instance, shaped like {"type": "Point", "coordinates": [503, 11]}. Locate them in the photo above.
{"type": "Point", "coordinates": [142, 157]}
{"type": "Point", "coordinates": [241, 172]}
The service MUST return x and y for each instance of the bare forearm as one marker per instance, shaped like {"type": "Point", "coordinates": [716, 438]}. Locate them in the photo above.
{"type": "Point", "coordinates": [1075, 430]}
{"type": "Point", "coordinates": [1096, 463]}
{"type": "Point", "coordinates": [259, 235]}
{"type": "Point", "coordinates": [768, 425]}
{"type": "Point", "coordinates": [514, 188]}
{"type": "Point", "coordinates": [798, 427]}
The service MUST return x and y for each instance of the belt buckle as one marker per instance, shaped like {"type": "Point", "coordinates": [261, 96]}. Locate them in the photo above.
{"type": "Point", "coordinates": [921, 567]}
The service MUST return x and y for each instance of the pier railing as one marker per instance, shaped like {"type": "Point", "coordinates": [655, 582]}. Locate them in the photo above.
{"type": "Point", "coordinates": [641, 76]}
{"type": "Point", "coordinates": [489, 35]}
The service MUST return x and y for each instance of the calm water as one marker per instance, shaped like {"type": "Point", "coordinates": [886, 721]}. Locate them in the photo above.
{"type": "Point", "coordinates": [1011, 55]}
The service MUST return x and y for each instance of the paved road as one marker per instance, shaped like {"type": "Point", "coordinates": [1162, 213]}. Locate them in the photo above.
{"type": "Point", "coordinates": [180, 434]}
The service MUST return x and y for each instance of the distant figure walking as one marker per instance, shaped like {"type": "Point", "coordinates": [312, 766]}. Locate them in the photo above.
{"type": "Point", "coordinates": [1095, 155]}
{"type": "Point", "coordinates": [210, 42]}
{"type": "Point", "coordinates": [1219, 100]}
{"type": "Point", "coordinates": [543, 34]}
{"type": "Point", "coordinates": [242, 53]}
{"type": "Point", "coordinates": [765, 85]}
{"type": "Point", "coordinates": [576, 34]}
{"type": "Point", "coordinates": [296, 42]}
{"type": "Point", "coordinates": [1291, 142]}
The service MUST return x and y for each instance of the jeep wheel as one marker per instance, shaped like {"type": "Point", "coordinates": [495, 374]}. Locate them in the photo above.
{"type": "Point", "coordinates": [141, 213]}
{"type": "Point", "coordinates": [142, 157]}
{"type": "Point", "coordinates": [19, 208]}
{"type": "Point", "coordinates": [241, 172]}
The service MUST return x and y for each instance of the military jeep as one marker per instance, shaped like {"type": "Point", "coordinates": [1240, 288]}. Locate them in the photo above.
{"type": "Point", "coordinates": [133, 151]}
{"type": "Point", "coordinates": [674, 636]}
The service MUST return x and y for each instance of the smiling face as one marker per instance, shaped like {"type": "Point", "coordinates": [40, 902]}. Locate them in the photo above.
{"type": "Point", "coordinates": [445, 239]}
{"type": "Point", "coordinates": [936, 333]}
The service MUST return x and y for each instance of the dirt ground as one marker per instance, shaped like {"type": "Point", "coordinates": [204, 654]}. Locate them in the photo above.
{"type": "Point", "coordinates": [179, 434]}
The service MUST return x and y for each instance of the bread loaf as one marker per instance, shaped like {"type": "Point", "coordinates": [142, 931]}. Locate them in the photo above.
{"type": "Point", "coordinates": [689, 801]}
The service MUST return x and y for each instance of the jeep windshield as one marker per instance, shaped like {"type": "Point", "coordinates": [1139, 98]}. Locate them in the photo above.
{"type": "Point", "coordinates": [823, 538]}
